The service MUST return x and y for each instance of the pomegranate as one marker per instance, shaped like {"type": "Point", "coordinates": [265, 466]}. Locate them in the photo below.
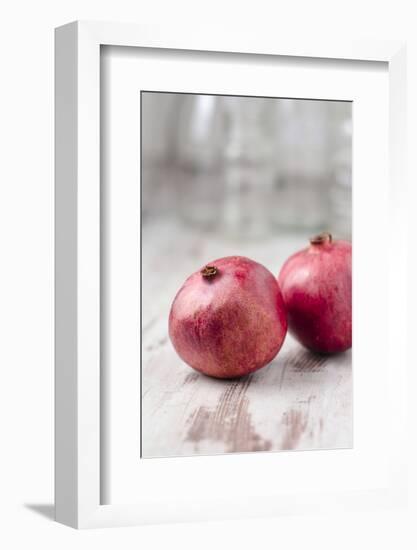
{"type": "Point", "coordinates": [316, 284]}
{"type": "Point", "coordinates": [228, 319]}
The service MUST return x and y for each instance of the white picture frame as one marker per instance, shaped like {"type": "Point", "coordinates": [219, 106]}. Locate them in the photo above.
{"type": "Point", "coordinates": [78, 411]}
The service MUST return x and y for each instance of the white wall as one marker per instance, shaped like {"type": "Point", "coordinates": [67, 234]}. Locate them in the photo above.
{"type": "Point", "coordinates": [26, 301]}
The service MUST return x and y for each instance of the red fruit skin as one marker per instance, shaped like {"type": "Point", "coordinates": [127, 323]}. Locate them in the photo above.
{"type": "Point", "coordinates": [316, 284]}
{"type": "Point", "coordinates": [231, 324]}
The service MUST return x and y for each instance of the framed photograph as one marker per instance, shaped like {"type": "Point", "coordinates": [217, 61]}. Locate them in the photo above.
{"type": "Point", "coordinates": [227, 220]}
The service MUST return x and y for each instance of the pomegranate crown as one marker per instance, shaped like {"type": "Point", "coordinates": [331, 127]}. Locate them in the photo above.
{"type": "Point", "coordinates": [322, 238]}
{"type": "Point", "coordinates": [209, 271]}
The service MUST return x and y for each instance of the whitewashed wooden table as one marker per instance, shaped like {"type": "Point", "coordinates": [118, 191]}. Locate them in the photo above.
{"type": "Point", "coordinates": [301, 401]}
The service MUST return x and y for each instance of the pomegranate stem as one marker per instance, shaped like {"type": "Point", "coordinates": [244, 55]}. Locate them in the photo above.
{"type": "Point", "coordinates": [209, 271]}
{"type": "Point", "coordinates": [322, 238]}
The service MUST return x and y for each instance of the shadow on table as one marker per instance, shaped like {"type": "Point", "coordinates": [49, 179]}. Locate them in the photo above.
{"type": "Point", "coordinates": [45, 510]}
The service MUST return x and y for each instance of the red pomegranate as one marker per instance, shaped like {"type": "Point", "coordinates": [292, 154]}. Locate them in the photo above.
{"type": "Point", "coordinates": [228, 319]}
{"type": "Point", "coordinates": [316, 284]}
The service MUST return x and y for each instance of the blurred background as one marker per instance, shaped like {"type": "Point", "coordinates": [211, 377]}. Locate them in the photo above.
{"type": "Point", "coordinates": [246, 168]}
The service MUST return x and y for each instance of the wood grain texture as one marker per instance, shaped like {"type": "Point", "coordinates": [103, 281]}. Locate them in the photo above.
{"type": "Point", "coordinates": [300, 401]}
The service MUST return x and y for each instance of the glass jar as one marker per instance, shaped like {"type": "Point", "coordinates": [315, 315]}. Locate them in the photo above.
{"type": "Point", "coordinates": [199, 142]}
{"type": "Point", "coordinates": [248, 166]}
{"type": "Point", "coordinates": [341, 172]}
{"type": "Point", "coordinates": [302, 165]}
